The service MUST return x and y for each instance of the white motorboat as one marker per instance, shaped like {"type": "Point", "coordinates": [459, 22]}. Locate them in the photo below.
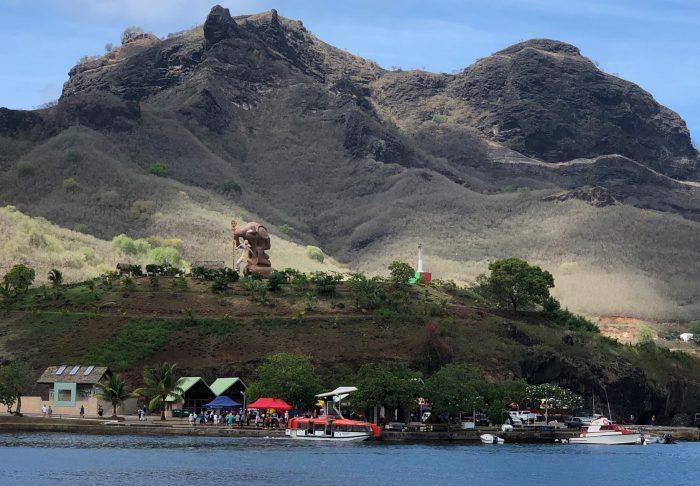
{"type": "Point", "coordinates": [331, 425]}
{"type": "Point", "coordinates": [491, 439]}
{"type": "Point", "coordinates": [603, 432]}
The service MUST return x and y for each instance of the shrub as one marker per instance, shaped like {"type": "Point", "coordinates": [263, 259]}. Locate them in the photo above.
{"type": "Point", "coordinates": [24, 169]}
{"type": "Point", "coordinates": [401, 272]}
{"type": "Point", "coordinates": [326, 283]}
{"type": "Point", "coordinates": [135, 270]}
{"type": "Point", "coordinates": [164, 255]}
{"type": "Point", "coordinates": [220, 284]}
{"type": "Point", "coordinates": [143, 207]}
{"type": "Point", "coordinates": [299, 281]}
{"type": "Point", "coordinates": [439, 118]}
{"type": "Point", "coordinates": [73, 156]}
{"type": "Point", "coordinates": [130, 246]}
{"type": "Point", "coordinates": [311, 302]}
{"type": "Point", "coordinates": [315, 253]}
{"type": "Point", "coordinates": [515, 283]}
{"type": "Point", "coordinates": [70, 184]}
{"type": "Point", "coordinates": [257, 289]}
{"type": "Point", "coordinates": [367, 293]}
{"type": "Point", "coordinates": [286, 229]}
{"type": "Point", "coordinates": [276, 280]}
{"type": "Point", "coordinates": [153, 281]}
{"type": "Point", "coordinates": [178, 284]}
{"type": "Point", "coordinates": [645, 336]}
{"type": "Point", "coordinates": [231, 188]}
{"type": "Point", "coordinates": [80, 228]}
{"type": "Point", "coordinates": [158, 170]}
{"type": "Point", "coordinates": [128, 284]}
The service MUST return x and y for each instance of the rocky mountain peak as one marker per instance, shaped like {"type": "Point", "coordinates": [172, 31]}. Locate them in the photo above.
{"type": "Point", "coordinates": [547, 45]}
{"type": "Point", "coordinates": [219, 25]}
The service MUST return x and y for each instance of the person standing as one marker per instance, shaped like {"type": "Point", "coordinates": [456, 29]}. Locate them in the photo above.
{"type": "Point", "coordinates": [44, 410]}
{"type": "Point", "coordinates": [50, 411]}
{"type": "Point", "coordinates": [82, 411]}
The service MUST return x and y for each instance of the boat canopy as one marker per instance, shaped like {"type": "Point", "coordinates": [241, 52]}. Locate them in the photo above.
{"type": "Point", "coordinates": [339, 393]}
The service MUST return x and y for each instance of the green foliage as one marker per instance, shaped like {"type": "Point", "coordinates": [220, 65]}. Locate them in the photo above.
{"type": "Point", "coordinates": [311, 301]}
{"type": "Point", "coordinates": [18, 280]}
{"type": "Point", "coordinates": [24, 169]}
{"type": "Point", "coordinates": [325, 283]}
{"type": "Point", "coordinates": [400, 272]}
{"type": "Point", "coordinates": [298, 281]}
{"type": "Point", "coordinates": [439, 118]}
{"type": "Point", "coordinates": [501, 395]}
{"type": "Point", "coordinates": [15, 378]}
{"type": "Point", "coordinates": [286, 229]}
{"type": "Point", "coordinates": [55, 277]}
{"type": "Point", "coordinates": [135, 270]}
{"type": "Point", "coordinates": [133, 344]}
{"type": "Point", "coordinates": [131, 246]}
{"type": "Point", "coordinates": [231, 188]}
{"type": "Point", "coordinates": [367, 293]}
{"type": "Point", "coordinates": [288, 376]}
{"type": "Point", "coordinates": [315, 253]}
{"type": "Point", "coordinates": [436, 352]}
{"type": "Point", "coordinates": [389, 384]}
{"type": "Point", "coordinates": [70, 184]}
{"type": "Point", "coordinates": [128, 285]}
{"type": "Point", "coordinates": [276, 280]}
{"type": "Point", "coordinates": [514, 282]}
{"type": "Point", "coordinates": [115, 391]}
{"type": "Point", "coordinates": [220, 284]}
{"type": "Point", "coordinates": [456, 388]}
{"type": "Point", "coordinates": [109, 278]}
{"type": "Point", "coordinates": [164, 255]}
{"type": "Point", "coordinates": [81, 228]}
{"type": "Point", "coordinates": [159, 384]}
{"type": "Point", "coordinates": [153, 282]}
{"type": "Point", "coordinates": [645, 336]}
{"type": "Point", "coordinates": [227, 275]}
{"type": "Point", "coordinates": [257, 289]}
{"type": "Point", "coordinates": [158, 169]}
{"type": "Point", "coordinates": [565, 318]}
{"type": "Point", "coordinates": [73, 156]}
{"type": "Point", "coordinates": [178, 284]}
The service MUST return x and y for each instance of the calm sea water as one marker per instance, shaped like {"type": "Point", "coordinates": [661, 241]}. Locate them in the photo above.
{"type": "Point", "coordinates": [76, 459]}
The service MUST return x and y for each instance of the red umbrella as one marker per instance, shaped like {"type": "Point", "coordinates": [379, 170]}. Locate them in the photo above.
{"type": "Point", "coordinates": [274, 403]}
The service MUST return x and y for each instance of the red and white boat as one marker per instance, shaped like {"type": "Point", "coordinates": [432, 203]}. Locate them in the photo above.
{"type": "Point", "coordinates": [331, 425]}
{"type": "Point", "coordinates": [602, 431]}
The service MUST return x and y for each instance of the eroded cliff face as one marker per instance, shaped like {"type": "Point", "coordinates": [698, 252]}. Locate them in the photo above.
{"type": "Point", "coordinates": [361, 161]}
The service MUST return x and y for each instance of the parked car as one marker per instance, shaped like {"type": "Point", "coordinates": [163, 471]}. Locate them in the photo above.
{"type": "Point", "coordinates": [481, 419]}
{"type": "Point", "coordinates": [574, 423]}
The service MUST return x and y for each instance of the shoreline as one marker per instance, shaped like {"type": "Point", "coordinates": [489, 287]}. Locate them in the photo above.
{"type": "Point", "coordinates": [10, 424]}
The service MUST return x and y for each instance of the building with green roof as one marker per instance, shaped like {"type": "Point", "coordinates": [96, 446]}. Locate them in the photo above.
{"type": "Point", "coordinates": [196, 393]}
{"type": "Point", "coordinates": [232, 387]}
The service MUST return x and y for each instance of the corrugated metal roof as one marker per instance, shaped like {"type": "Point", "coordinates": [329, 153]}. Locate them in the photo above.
{"type": "Point", "coordinates": [220, 385]}
{"type": "Point", "coordinates": [186, 382]}
{"type": "Point", "coordinates": [95, 376]}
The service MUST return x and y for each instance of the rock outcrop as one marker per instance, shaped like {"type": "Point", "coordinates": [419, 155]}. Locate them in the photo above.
{"type": "Point", "coordinates": [219, 25]}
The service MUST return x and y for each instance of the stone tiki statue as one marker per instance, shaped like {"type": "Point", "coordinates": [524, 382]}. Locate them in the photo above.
{"type": "Point", "coordinates": [254, 240]}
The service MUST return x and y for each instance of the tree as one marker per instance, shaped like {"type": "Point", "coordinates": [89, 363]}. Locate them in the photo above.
{"type": "Point", "coordinates": [514, 282]}
{"type": "Point", "coordinates": [500, 396]}
{"type": "Point", "coordinates": [288, 376]}
{"type": "Point", "coordinates": [549, 395]}
{"type": "Point", "coordinates": [325, 283]}
{"type": "Point", "coordinates": [456, 388]}
{"type": "Point", "coordinates": [315, 253]}
{"type": "Point", "coordinates": [114, 390]}
{"type": "Point", "coordinates": [18, 280]}
{"type": "Point", "coordinates": [56, 279]}
{"type": "Point", "coordinates": [159, 384]}
{"type": "Point", "coordinates": [645, 336]}
{"type": "Point", "coordinates": [367, 293]}
{"type": "Point", "coordinates": [276, 280]}
{"type": "Point", "coordinates": [388, 384]}
{"type": "Point", "coordinates": [15, 378]}
{"type": "Point", "coordinates": [400, 272]}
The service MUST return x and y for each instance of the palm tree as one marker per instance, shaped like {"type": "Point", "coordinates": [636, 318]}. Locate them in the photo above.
{"type": "Point", "coordinates": [56, 279]}
{"type": "Point", "coordinates": [115, 390]}
{"type": "Point", "coordinates": [160, 384]}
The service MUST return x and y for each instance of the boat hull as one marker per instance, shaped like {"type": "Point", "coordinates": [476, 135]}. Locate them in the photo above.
{"type": "Point", "coordinates": [607, 439]}
{"type": "Point", "coordinates": [345, 437]}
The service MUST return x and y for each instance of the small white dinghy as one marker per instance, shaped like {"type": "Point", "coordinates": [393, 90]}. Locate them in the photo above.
{"type": "Point", "coordinates": [491, 439]}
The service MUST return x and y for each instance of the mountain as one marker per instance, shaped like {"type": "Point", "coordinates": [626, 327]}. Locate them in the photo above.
{"type": "Point", "coordinates": [532, 151]}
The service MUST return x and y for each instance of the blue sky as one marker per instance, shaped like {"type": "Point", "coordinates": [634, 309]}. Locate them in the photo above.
{"type": "Point", "coordinates": [654, 43]}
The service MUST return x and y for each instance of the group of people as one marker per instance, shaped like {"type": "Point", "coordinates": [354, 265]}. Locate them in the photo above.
{"type": "Point", "coordinates": [239, 418]}
{"type": "Point", "coordinates": [46, 411]}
